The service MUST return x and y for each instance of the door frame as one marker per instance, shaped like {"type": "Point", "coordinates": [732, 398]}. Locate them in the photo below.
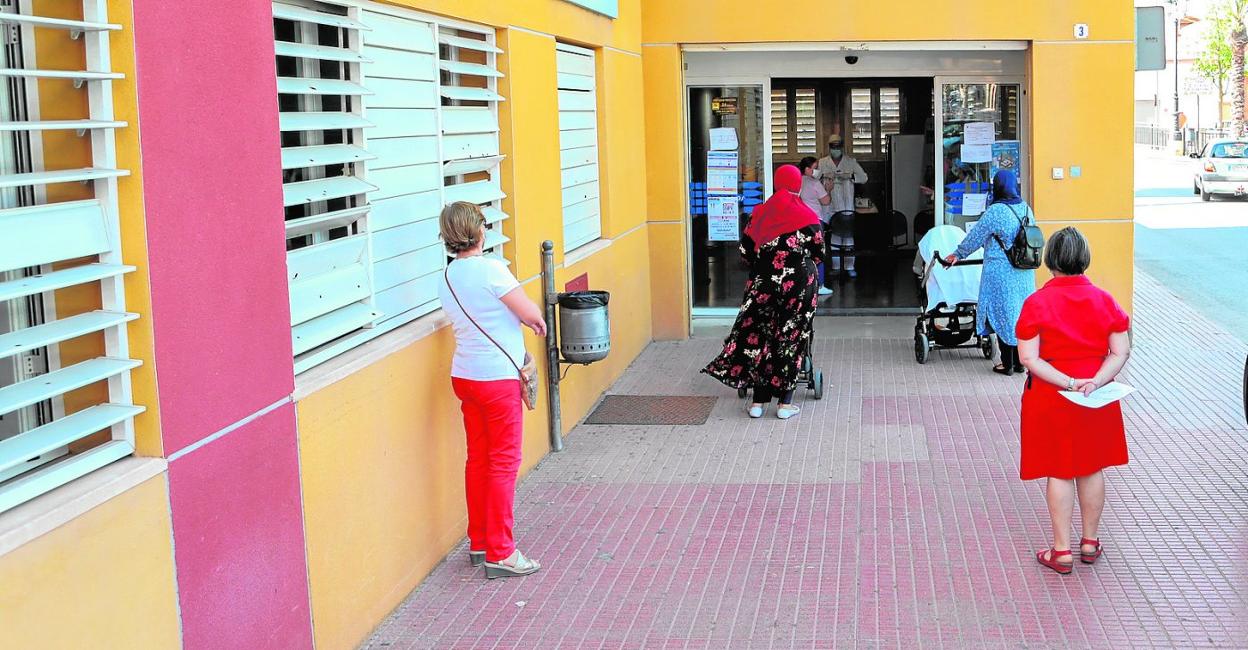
{"type": "Point", "coordinates": [765, 84]}
{"type": "Point", "coordinates": [1024, 131]}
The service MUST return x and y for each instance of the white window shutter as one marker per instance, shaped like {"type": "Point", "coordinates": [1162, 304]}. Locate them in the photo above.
{"type": "Point", "coordinates": [320, 54]}
{"type": "Point", "coordinates": [35, 236]}
{"type": "Point", "coordinates": [578, 145]}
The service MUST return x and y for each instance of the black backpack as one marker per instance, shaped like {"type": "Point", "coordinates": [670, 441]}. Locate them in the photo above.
{"type": "Point", "coordinates": [1028, 247]}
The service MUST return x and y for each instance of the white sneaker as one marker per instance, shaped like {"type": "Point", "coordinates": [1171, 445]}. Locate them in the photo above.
{"type": "Point", "coordinates": [757, 411]}
{"type": "Point", "coordinates": [824, 291]}
{"type": "Point", "coordinates": [788, 411]}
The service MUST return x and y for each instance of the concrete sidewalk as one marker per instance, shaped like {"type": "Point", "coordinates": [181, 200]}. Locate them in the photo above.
{"type": "Point", "coordinates": [887, 515]}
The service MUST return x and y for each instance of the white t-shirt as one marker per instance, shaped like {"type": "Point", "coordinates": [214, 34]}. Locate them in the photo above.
{"type": "Point", "coordinates": [812, 193]}
{"type": "Point", "coordinates": [480, 283]}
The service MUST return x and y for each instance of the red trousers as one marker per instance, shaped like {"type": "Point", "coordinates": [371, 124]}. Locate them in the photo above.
{"type": "Point", "coordinates": [493, 421]}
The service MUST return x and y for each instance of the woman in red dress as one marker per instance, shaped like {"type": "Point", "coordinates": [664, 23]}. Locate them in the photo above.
{"type": "Point", "coordinates": [1072, 336]}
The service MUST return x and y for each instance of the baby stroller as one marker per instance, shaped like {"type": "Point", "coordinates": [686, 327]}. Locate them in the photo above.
{"type": "Point", "coordinates": [808, 374]}
{"type": "Point", "coordinates": [950, 296]}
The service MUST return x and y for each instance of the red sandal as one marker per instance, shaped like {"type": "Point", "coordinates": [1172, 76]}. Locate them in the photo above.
{"type": "Point", "coordinates": [1052, 562]}
{"type": "Point", "coordinates": [1090, 558]}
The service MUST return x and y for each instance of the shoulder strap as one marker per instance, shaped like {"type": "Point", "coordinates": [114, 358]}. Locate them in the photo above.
{"type": "Point", "coordinates": [1022, 223]}
{"type": "Point", "coordinates": [446, 277]}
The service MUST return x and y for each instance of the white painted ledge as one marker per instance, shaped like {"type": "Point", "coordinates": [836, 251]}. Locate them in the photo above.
{"type": "Point", "coordinates": [48, 512]}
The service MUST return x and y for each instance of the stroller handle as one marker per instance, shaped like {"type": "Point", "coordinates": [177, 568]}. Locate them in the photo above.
{"type": "Point", "coordinates": [936, 257]}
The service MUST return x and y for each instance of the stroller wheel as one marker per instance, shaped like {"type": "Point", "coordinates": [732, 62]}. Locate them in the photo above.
{"type": "Point", "coordinates": [985, 346]}
{"type": "Point", "coordinates": [806, 365]}
{"type": "Point", "coordinates": [816, 383]}
{"type": "Point", "coordinates": [921, 348]}
{"type": "Point", "coordinates": [741, 392]}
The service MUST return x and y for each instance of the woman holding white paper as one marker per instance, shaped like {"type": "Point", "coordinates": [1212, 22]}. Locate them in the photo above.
{"type": "Point", "coordinates": [1072, 336]}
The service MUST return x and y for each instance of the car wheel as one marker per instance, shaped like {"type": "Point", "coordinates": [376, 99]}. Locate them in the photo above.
{"type": "Point", "coordinates": [1195, 187]}
{"type": "Point", "coordinates": [1205, 196]}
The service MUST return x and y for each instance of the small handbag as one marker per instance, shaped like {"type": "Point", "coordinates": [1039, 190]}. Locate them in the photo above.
{"type": "Point", "coordinates": [526, 372]}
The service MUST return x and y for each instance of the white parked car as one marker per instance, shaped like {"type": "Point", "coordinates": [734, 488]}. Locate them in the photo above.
{"type": "Point", "coordinates": [1223, 169]}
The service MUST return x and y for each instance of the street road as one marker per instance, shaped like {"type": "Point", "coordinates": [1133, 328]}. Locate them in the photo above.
{"type": "Point", "coordinates": [1198, 249]}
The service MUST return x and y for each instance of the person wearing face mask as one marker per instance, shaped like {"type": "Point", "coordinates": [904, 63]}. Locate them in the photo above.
{"type": "Point", "coordinates": [817, 199]}
{"type": "Point", "coordinates": [840, 173]}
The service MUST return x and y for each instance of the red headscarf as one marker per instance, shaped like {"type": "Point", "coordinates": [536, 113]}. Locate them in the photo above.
{"type": "Point", "coordinates": [784, 212]}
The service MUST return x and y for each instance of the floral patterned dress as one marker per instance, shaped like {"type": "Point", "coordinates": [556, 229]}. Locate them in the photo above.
{"type": "Point", "coordinates": [773, 328]}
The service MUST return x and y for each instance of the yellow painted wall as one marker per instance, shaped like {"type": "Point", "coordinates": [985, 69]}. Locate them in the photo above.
{"type": "Point", "coordinates": [105, 578]}
{"type": "Point", "coordinates": [382, 451]}
{"type": "Point", "coordinates": [666, 183]}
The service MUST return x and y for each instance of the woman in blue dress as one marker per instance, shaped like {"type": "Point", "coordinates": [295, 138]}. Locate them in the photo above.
{"type": "Point", "coordinates": [1002, 288]}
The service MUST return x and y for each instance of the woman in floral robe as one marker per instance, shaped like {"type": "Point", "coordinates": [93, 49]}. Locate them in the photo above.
{"type": "Point", "coordinates": [782, 245]}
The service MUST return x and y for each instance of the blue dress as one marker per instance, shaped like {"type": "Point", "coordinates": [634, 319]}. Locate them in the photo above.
{"type": "Point", "coordinates": [1002, 288]}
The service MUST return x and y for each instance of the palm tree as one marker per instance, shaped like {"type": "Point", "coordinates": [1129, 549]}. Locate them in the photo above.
{"type": "Point", "coordinates": [1239, 41]}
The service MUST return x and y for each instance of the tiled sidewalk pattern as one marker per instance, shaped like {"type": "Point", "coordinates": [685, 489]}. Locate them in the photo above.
{"type": "Point", "coordinates": [887, 515]}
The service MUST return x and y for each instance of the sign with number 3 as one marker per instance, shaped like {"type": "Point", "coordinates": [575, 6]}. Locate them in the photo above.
{"type": "Point", "coordinates": [1081, 30]}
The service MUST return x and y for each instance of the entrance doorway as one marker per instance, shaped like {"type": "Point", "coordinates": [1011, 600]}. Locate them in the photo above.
{"type": "Point", "coordinates": [903, 116]}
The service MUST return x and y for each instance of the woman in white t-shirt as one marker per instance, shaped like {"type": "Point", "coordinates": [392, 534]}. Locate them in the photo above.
{"type": "Point", "coordinates": [817, 199]}
{"type": "Point", "coordinates": [486, 307]}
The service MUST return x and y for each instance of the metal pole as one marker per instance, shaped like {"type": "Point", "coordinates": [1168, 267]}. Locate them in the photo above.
{"type": "Point", "coordinates": [1178, 132]}
{"type": "Point", "coordinates": [549, 299]}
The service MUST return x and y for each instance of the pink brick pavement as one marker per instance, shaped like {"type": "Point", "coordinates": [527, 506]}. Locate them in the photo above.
{"type": "Point", "coordinates": [887, 515]}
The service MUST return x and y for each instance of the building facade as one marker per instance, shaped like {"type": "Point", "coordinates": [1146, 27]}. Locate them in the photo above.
{"type": "Point", "coordinates": [227, 414]}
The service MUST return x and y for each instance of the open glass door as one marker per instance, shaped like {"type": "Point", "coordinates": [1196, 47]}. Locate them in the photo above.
{"type": "Point", "coordinates": [981, 123]}
{"type": "Point", "coordinates": [727, 159]}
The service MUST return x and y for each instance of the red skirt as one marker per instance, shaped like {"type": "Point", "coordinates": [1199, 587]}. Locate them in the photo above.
{"type": "Point", "coordinates": [1061, 439]}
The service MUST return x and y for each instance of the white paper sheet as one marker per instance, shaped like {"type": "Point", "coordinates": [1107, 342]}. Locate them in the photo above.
{"type": "Point", "coordinates": [976, 153]}
{"type": "Point", "coordinates": [721, 172]}
{"type": "Point", "coordinates": [723, 220]}
{"type": "Point", "coordinates": [1107, 394]}
{"type": "Point", "coordinates": [979, 133]}
{"type": "Point", "coordinates": [724, 139]}
{"type": "Point", "coordinates": [974, 205]}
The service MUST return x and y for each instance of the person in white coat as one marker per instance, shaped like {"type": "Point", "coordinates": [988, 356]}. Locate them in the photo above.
{"type": "Point", "coordinates": [840, 173]}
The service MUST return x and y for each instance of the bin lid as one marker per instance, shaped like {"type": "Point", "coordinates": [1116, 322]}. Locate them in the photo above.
{"type": "Point", "coordinates": [584, 299]}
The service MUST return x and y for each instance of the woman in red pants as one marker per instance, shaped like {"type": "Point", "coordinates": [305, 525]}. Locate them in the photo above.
{"type": "Point", "coordinates": [486, 307]}
{"type": "Point", "coordinates": [1072, 336]}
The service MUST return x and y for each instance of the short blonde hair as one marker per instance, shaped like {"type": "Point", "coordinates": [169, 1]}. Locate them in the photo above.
{"type": "Point", "coordinates": [460, 224]}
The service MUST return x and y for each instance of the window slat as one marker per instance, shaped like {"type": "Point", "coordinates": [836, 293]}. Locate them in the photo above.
{"type": "Point", "coordinates": [326, 257]}
{"type": "Point", "coordinates": [399, 33]}
{"type": "Point", "coordinates": [467, 43]}
{"type": "Point", "coordinates": [318, 52]}
{"type": "Point", "coordinates": [53, 332]}
{"type": "Point", "coordinates": [321, 155]}
{"type": "Point", "coordinates": [76, 75]}
{"type": "Point", "coordinates": [315, 121]}
{"type": "Point", "coordinates": [475, 69]}
{"type": "Point", "coordinates": [474, 145]}
{"type": "Point", "coordinates": [470, 94]}
{"type": "Point", "coordinates": [54, 280]}
{"type": "Point", "coordinates": [458, 167]}
{"type": "Point", "coordinates": [41, 440]}
{"type": "Point", "coordinates": [567, 81]}
{"type": "Point", "coordinates": [288, 12]}
{"type": "Point", "coordinates": [61, 176]}
{"type": "Point", "coordinates": [323, 189]}
{"type": "Point", "coordinates": [458, 120]}
{"type": "Point", "coordinates": [494, 237]}
{"type": "Point", "coordinates": [578, 193]}
{"type": "Point", "coordinates": [310, 86]}
{"type": "Point", "coordinates": [477, 192]}
{"type": "Point", "coordinates": [578, 157]}
{"type": "Point", "coordinates": [43, 234]}
{"type": "Point", "coordinates": [59, 382]}
{"type": "Point", "coordinates": [58, 23]}
{"type": "Point", "coordinates": [578, 175]}
{"type": "Point", "coordinates": [323, 329]}
{"type": "Point", "coordinates": [321, 294]}
{"type": "Point", "coordinates": [494, 215]}
{"type": "Point", "coordinates": [324, 221]}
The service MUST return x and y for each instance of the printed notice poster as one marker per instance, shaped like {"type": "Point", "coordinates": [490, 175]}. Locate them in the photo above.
{"type": "Point", "coordinates": [723, 218]}
{"type": "Point", "coordinates": [1006, 154]}
{"type": "Point", "coordinates": [979, 133]}
{"type": "Point", "coordinates": [976, 153]}
{"type": "Point", "coordinates": [721, 172]}
{"type": "Point", "coordinates": [724, 139]}
{"type": "Point", "coordinates": [974, 205]}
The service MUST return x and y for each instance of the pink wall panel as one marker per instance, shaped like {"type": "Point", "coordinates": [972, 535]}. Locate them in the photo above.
{"type": "Point", "coordinates": [238, 539]}
{"type": "Point", "coordinates": [213, 195]}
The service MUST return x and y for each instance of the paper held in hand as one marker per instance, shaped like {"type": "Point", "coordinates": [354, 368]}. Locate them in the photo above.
{"type": "Point", "coordinates": [1107, 394]}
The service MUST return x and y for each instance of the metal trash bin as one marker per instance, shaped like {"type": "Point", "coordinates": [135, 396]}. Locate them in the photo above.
{"type": "Point", "coordinates": [584, 327]}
